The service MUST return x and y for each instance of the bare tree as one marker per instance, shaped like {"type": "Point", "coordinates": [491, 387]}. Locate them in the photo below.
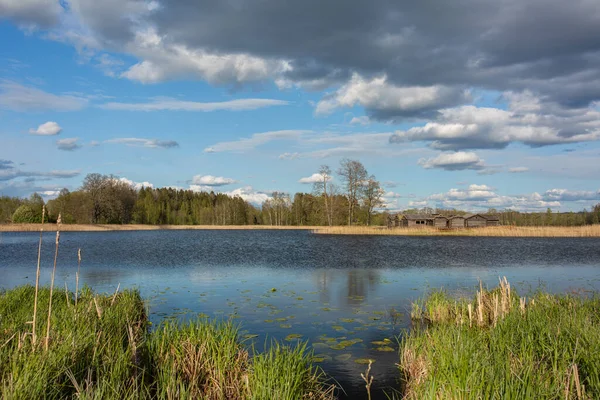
{"type": "Point", "coordinates": [353, 174]}
{"type": "Point", "coordinates": [320, 188]}
{"type": "Point", "coordinates": [373, 196]}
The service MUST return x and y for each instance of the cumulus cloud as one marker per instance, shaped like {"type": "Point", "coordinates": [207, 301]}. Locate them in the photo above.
{"type": "Point", "coordinates": [527, 121]}
{"type": "Point", "coordinates": [568, 195]}
{"type": "Point", "coordinates": [454, 161]}
{"type": "Point", "coordinates": [384, 100]}
{"type": "Point", "coordinates": [314, 178]}
{"type": "Point", "coordinates": [169, 104]}
{"type": "Point", "coordinates": [136, 185]}
{"type": "Point", "coordinates": [518, 170]}
{"type": "Point", "coordinates": [42, 13]}
{"type": "Point", "coordinates": [482, 197]}
{"type": "Point", "coordinates": [254, 141]}
{"type": "Point", "coordinates": [249, 194]}
{"type": "Point", "coordinates": [362, 120]}
{"type": "Point", "coordinates": [68, 144]}
{"type": "Point", "coordinates": [47, 129]}
{"type": "Point", "coordinates": [141, 142]}
{"type": "Point", "coordinates": [209, 180]}
{"type": "Point", "coordinates": [16, 97]}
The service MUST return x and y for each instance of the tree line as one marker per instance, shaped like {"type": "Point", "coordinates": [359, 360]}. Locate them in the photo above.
{"type": "Point", "coordinates": [356, 199]}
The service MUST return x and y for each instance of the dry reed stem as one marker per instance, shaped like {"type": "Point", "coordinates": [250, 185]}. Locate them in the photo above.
{"type": "Point", "coordinates": [52, 284]}
{"type": "Point", "coordinates": [368, 379]}
{"type": "Point", "coordinates": [112, 302]}
{"type": "Point", "coordinates": [139, 227]}
{"type": "Point", "coordinates": [470, 315]}
{"type": "Point", "coordinates": [98, 309]}
{"type": "Point", "coordinates": [37, 281]}
{"type": "Point", "coordinates": [77, 275]}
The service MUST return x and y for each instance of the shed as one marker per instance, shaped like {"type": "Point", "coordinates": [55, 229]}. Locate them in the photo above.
{"type": "Point", "coordinates": [456, 221]}
{"type": "Point", "coordinates": [417, 220]}
{"type": "Point", "coordinates": [439, 221]}
{"type": "Point", "coordinates": [393, 221]}
{"type": "Point", "coordinates": [475, 221]}
{"type": "Point", "coordinates": [492, 220]}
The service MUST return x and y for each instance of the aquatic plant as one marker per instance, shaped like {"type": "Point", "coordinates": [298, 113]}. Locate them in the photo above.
{"type": "Point", "coordinates": [501, 346]}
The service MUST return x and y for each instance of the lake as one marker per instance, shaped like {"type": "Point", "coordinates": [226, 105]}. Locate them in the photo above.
{"type": "Point", "coordinates": [341, 293]}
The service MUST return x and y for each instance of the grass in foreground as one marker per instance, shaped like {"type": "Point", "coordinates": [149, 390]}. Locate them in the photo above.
{"type": "Point", "coordinates": [500, 346]}
{"type": "Point", "coordinates": [498, 231]}
{"type": "Point", "coordinates": [102, 349]}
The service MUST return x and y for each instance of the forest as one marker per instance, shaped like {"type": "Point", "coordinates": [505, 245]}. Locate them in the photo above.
{"type": "Point", "coordinates": [358, 200]}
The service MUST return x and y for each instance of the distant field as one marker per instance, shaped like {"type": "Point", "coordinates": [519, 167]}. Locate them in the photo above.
{"type": "Point", "coordinates": [132, 227]}
{"type": "Point", "coordinates": [507, 231]}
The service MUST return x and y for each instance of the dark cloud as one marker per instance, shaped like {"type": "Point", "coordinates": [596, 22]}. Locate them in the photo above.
{"type": "Point", "coordinates": [68, 144]}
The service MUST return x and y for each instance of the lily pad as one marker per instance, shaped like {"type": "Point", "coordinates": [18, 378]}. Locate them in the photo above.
{"type": "Point", "coordinates": [385, 348]}
{"type": "Point", "coordinates": [338, 327]}
{"type": "Point", "coordinates": [317, 346]}
{"type": "Point", "coordinates": [293, 336]}
{"type": "Point", "coordinates": [343, 357]}
{"type": "Point", "coordinates": [347, 320]}
{"type": "Point", "coordinates": [364, 360]}
{"type": "Point", "coordinates": [321, 358]}
{"type": "Point", "coordinates": [250, 336]}
{"type": "Point", "coordinates": [285, 326]}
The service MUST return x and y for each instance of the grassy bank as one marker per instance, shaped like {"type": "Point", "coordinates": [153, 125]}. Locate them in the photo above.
{"type": "Point", "coordinates": [138, 227]}
{"type": "Point", "coordinates": [101, 348]}
{"type": "Point", "coordinates": [498, 231]}
{"type": "Point", "coordinates": [501, 346]}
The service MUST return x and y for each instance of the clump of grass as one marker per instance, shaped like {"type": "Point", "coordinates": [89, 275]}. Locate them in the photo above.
{"type": "Point", "coordinates": [285, 372]}
{"type": "Point", "coordinates": [101, 348]}
{"type": "Point", "coordinates": [544, 348]}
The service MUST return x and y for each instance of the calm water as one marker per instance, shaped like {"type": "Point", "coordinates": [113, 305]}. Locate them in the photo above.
{"type": "Point", "coordinates": [326, 288]}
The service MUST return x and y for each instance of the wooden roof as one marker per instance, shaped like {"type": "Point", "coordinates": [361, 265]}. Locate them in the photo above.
{"type": "Point", "coordinates": [417, 216]}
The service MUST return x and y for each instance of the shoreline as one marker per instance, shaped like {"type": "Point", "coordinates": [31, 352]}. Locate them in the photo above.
{"type": "Point", "coordinates": [139, 227]}
{"type": "Point", "coordinates": [495, 231]}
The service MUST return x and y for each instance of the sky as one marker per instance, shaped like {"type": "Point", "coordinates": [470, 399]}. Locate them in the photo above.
{"type": "Point", "coordinates": [464, 104]}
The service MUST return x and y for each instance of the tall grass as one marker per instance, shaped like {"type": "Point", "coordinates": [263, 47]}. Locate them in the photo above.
{"type": "Point", "coordinates": [498, 231]}
{"type": "Point", "coordinates": [501, 346]}
{"type": "Point", "coordinates": [101, 348]}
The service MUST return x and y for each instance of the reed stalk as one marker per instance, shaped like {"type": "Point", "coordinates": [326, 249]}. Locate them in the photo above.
{"type": "Point", "coordinates": [77, 275]}
{"type": "Point", "coordinates": [52, 284]}
{"type": "Point", "coordinates": [37, 281]}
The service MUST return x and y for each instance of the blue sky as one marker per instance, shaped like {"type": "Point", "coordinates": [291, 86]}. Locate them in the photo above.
{"type": "Point", "coordinates": [248, 97]}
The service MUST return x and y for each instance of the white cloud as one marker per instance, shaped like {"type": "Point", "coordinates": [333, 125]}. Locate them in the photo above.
{"type": "Point", "coordinates": [68, 144]}
{"type": "Point", "coordinates": [169, 104]}
{"type": "Point", "coordinates": [46, 129]}
{"type": "Point", "coordinates": [136, 185]}
{"type": "Point", "coordinates": [518, 170]}
{"type": "Point", "coordinates": [254, 141]}
{"type": "Point", "coordinates": [454, 161]}
{"type": "Point", "coordinates": [289, 156]}
{"type": "Point", "coordinates": [385, 100]}
{"type": "Point", "coordinates": [471, 127]}
{"type": "Point", "coordinates": [363, 120]}
{"type": "Point", "coordinates": [568, 195]}
{"type": "Point", "coordinates": [249, 194]}
{"type": "Point", "coordinates": [209, 180]}
{"type": "Point", "coordinates": [314, 178]}
{"type": "Point", "coordinates": [164, 60]}
{"type": "Point", "coordinates": [50, 193]}
{"type": "Point", "coordinates": [141, 142]}
{"type": "Point", "coordinates": [16, 97]}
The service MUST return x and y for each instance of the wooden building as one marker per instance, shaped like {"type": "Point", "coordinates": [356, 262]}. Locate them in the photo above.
{"type": "Point", "coordinates": [475, 221]}
{"type": "Point", "coordinates": [456, 222]}
{"type": "Point", "coordinates": [441, 221]}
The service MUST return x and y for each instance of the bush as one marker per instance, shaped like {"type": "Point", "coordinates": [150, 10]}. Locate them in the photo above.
{"type": "Point", "coordinates": [26, 214]}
